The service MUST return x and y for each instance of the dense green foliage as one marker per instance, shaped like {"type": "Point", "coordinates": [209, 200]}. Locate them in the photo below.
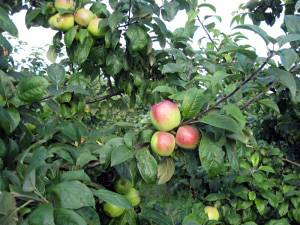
{"type": "Point", "coordinates": [70, 130]}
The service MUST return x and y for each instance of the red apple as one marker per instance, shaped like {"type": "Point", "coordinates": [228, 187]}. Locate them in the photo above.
{"type": "Point", "coordinates": [5, 52]}
{"type": "Point", "coordinates": [83, 17]}
{"type": "Point", "coordinates": [187, 137]}
{"type": "Point", "coordinates": [94, 30]}
{"type": "Point", "coordinates": [163, 143]}
{"type": "Point", "coordinates": [165, 116]}
{"type": "Point", "coordinates": [63, 4]}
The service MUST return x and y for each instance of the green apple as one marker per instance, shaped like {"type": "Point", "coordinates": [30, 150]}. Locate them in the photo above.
{"type": "Point", "coordinates": [62, 22]}
{"type": "Point", "coordinates": [165, 116]}
{"type": "Point", "coordinates": [94, 30]}
{"type": "Point", "coordinates": [1, 98]}
{"type": "Point", "coordinates": [123, 185]}
{"type": "Point", "coordinates": [83, 17]}
{"type": "Point", "coordinates": [163, 143]}
{"type": "Point", "coordinates": [113, 210]}
{"type": "Point", "coordinates": [30, 126]}
{"type": "Point", "coordinates": [133, 196]}
{"type": "Point", "coordinates": [63, 4]}
{"type": "Point", "coordinates": [212, 213]}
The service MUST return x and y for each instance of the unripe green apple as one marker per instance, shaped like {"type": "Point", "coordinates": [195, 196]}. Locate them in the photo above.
{"type": "Point", "coordinates": [165, 116]}
{"type": "Point", "coordinates": [212, 213]}
{"type": "Point", "coordinates": [83, 17]}
{"type": "Point", "coordinates": [94, 30]}
{"type": "Point", "coordinates": [113, 210]}
{"type": "Point", "coordinates": [30, 126]}
{"type": "Point", "coordinates": [133, 196]}
{"type": "Point", "coordinates": [123, 185]}
{"type": "Point", "coordinates": [163, 143]}
{"type": "Point", "coordinates": [187, 137]}
{"type": "Point", "coordinates": [63, 4]}
{"type": "Point", "coordinates": [62, 22]}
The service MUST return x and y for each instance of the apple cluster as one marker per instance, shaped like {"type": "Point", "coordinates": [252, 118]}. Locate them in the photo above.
{"type": "Point", "coordinates": [165, 116]}
{"type": "Point", "coordinates": [125, 187]}
{"type": "Point", "coordinates": [83, 17]}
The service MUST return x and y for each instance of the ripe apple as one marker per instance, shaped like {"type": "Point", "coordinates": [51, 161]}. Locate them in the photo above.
{"type": "Point", "coordinates": [83, 17]}
{"type": "Point", "coordinates": [212, 212]}
{"type": "Point", "coordinates": [133, 196]}
{"type": "Point", "coordinates": [187, 137]}
{"type": "Point", "coordinates": [61, 22]}
{"type": "Point", "coordinates": [163, 143]}
{"type": "Point", "coordinates": [165, 116]}
{"type": "Point", "coordinates": [113, 210]}
{"type": "Point", "coordinates": [123, 185]}
{"type": "Point", "coordinates": [5, 52]}
{"type": "Point", "coordinates": [63, 4]}
{"type": "Point", "coordinates": [94, 30]}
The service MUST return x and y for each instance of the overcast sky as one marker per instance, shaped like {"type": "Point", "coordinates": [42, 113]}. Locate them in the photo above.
{"type": "Point", "coordinates": [40, 37]}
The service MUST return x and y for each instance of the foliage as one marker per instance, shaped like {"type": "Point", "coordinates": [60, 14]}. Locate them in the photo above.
{"type": "Point", "coordinates": [68, 131]}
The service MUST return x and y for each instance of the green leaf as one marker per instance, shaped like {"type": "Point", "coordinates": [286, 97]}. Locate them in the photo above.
{"type": "Point", "coordinates": [288, 57]}
{"type": "Point", "coordinates": [8, 213]}
{"type": "Point", "coordinates": [164, 89]}
{"type": "Point", "coordinates": [192, 102]}
{"type": "Point", "coordinates": [90, 215]}
{"type": "Point", "coordinates": [113, 198]}
{"type": "Point", "coordinates": [283, 208]}
{"type": "Point", "coordinates": [214, 197]}
{"type": "Point", "coordinates": [6, 23]}
{"type": "Point", "coordinates": [166, 169]}
{"type": "Point", "coordinates": [266, 169]}
{"type": "Point", "coordinates": [77, 89]}
{"type": "Point", "coordinates": [70, 36]}
{"type": "Point", "coordinates": [291, 23]}
{"type": "Point", "coordinates": [223, 122]}
{"type": "Point", "coordinates": [137, 36]}
{"type": "Point", "coordinates": [172, 68]}
{"type": "Point", "coordinates": [272, 198]}
{"type": "Point", "coordinates": [32, 88]}
{"type": "Point", "coordinates": [70, 130]}
{"type": "Point", "coordinates": [236, 113]}
{"type": "Point", "coordinates": [170, 10]}
{"type": "Point", "coordinates": [75, 175]}
{"type": "Point", "coordinates": [51, 54]}
{"type": "Point", "coordinates": [83, 50]}
{"type": "Point", "coordinates": [85, 158]}
{"type": "Point", "coordinates": [147, 165]}
{"type": "Point", "coordinates": [129, 139]}
{"type": "Point", "coordinates": [56, 73]}
{"type": "Point", "coordinates": [271, 104]}
{"type": "Point", "coordinates": [251, 54]}
{"type": "Point", "coordinates": [15, 116]}
{"type": "Point", "coordinates": [212, 7]}
{"type": "Point", "coordinates": [6, 90]}
{"type": "Point", "coordinates": [287, 38]}
{"type": "Point", "coordinates": [285, 78]}
{"type": "Point", "coordinates": [155, 217]}
{"type": "Point", "coordinates": [31, 14]}
{"type": "Point", "coordinates": [114, 62]}
{"type": "Point", "coordinates": [67, 216]}
{"type": "Point", "coordinates": [234, 219]}
{"type": "Point", "coordinates": [6, 122]}
{"type": "Point", "coordinates": [255, 29]}
{"type": "Point", "coordinates": [233, 158]}
{"type": "Point", "coordinates": [72, 195]}
{"type": "Point", "coordinates": [121, 154]}
{"type": "Point", "coordinates": [115, 19]}
{"type": "Point", "coordinates": [245, 62]}
{"type": "Point", "coordinates": [211, 156]}
{"type": "Point", "coordinates": [42, 215]}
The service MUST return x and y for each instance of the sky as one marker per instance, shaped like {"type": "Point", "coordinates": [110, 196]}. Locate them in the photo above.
{"type": "Point", "coordinates": [41, 37]}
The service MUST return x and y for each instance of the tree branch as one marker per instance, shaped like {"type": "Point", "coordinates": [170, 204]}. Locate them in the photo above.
{"type": "Point", "coordinates": [104, 97]}
{"type": "Point", "coordinates": [289, 161]}
{"type": "Point", "coordinates": [17, 195]}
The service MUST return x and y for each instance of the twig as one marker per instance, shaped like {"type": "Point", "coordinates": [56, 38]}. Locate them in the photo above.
{"type": "Point", "coordinates": [17, 195]}
{"type": "Point", "coordinates": [104, 97]}
{"type": "Point", "coordinates": [129, 12]}
{"type": "Point", "coordinates": [232, 93]}
{"type": "Point", "coordinates": [289, 161]}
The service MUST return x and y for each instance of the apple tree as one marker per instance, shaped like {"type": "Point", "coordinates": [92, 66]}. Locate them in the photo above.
{"type": "Point", "coordinates": [133, 124]}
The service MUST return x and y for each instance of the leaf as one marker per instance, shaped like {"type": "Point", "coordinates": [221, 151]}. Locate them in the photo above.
{"type": "Point", "coordinates": [75, 175]}
{"type": "Point", "coordinates": [155, 216]}
{"type": "Point", "coordinates": [83, 50]}
{"type": "Point", "coordinates": [8, 213]}
{"type": "Point", "coordinates": [266, 169]}
{"type": "Point", "coordinates": [70, 130]}
{"type": "Point", "coordinates": [285, 78]}
{"type": "Point", "coordinates": [212, 7]}
{"type": "Point", "coordinates": [72, 195]}
{"type": "Point", "coordinates": [6, 90]}
{"type": "Point", "coordinates": [192, 102]}
{"type": "Point", "coordinates": [233, 158]}
{"type": "Point", "coordinates": [214, 197]}
{"type": "Point", "coordinates": [211, 156]}
{"type": "Point", "coordinates": [288, 57]}
{"type": "Point", "coordinates": [67, 216]}
{"type": "Point", "coordinates": [283, 208]}
{"type": "Point", "coordinates": [42, 215]}
{"type": "Point", "coordinates": [170, 10]}
{"type": "Point", "coordinates": [6, 122]}
{"type": "Point", "coordinates": [287, 38]}
{"type": "Point", "coordinates": [31, 14]}
{"type": "Point", "coordinates": [6, 23]}
{"type": "Point", "coordinates": [271, 104]}
{"type": "Point", "coordinates": [166, 169]}
{"type": "Point", "coordinates": [113, 198]}
{"type": "Point", "coordinates": [51, 54]}
{"type": "Point", "coordinates": [147, 165]}
{"type": "Point", "coordinates": [90, 215]}
{"type": "Point", "coordinates": [255, 29]}
{"type": "Point", "coordinates": [164, 89]}
{"type": "Point", "coordinates": [137, 36]}
{"type": "Point", "coordinates": [172, 68]}
{"type": "Point", "coordinates": [70, 36]}
{"type": "Point", "coordinates": [251, 54]}
{"type": "Point", "coordinates": [56, 73]}
{"type": "Point", "coordinates": [223, 122]}
{"type": "Point", "coordinates": [32, 88]}
{"type": "Point", "coordinates": [15, 116]}
{"type": "Point", "coordinates": [77, 89]}
{"type": "Point", "coordinates": [115, 19]}
{"type": "Point", "coordinates": [236, 113]}
{"type": "Point", "coordinates": [85, 158]}
{"type": "Point", "coordinates": [129, 139]}
{"type": "Point", "coordinates": [121, 154]}
{"type": "Point", "coordinates": [114, 62]}
{"type": "Point", "coordinates": [291, 23]}
{"type": "Point", "coordinates": [245, 62]}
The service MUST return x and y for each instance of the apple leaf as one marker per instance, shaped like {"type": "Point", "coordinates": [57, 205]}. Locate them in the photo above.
{"type": "Point", "coordinates": [147, 165]}
{"type": "Point", "coordinates": [166, 169]}
{"type": "Point", "coordinates": [67, 216]}
{"type": "Point", "coordinates": [192, 102]}
{"type": "Point", "coordinates": [137, 36]}
{"type": "Point", "coordinates": [121, 154]}
{"type": "Point", "coordinates": [113, 198]}
{"type": "Point", "coordinates": [42, 215]}
{"type": "Point", "coordinates": [6, 23]}
{"type": "Point", "coordinates": [56, 73]}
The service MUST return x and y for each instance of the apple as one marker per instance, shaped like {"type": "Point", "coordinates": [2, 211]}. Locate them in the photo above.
{"type": "Point", "coordinates": [30, 126]}
{"type": "Point", "coordinates": [1, 98]}
{"type": "Point", "coordinates": [62, 22]}
{"type": "Point", "coordinates": [63, 4]}
{"type": "Point", "coordinates": [123, 185]}
{"type": "Point", "coordinates": [165, 116]}
{"type": "Point", "coordinates": [212, 213]}
{"type": "Point", "coordinates": [94, 30]}
{"type": "Point", "coordinates": [187, 137]}
{"type": "Point", "coordinates": [83, 17]}
{"type": "Point", "coordinates": [163, 143]}
{"type": "Point", "coordinates": [133, 196]}
{"type": "Point", "coordinates": [5, 52]}
{"type": "Point", "coordinates": [113, 210]}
